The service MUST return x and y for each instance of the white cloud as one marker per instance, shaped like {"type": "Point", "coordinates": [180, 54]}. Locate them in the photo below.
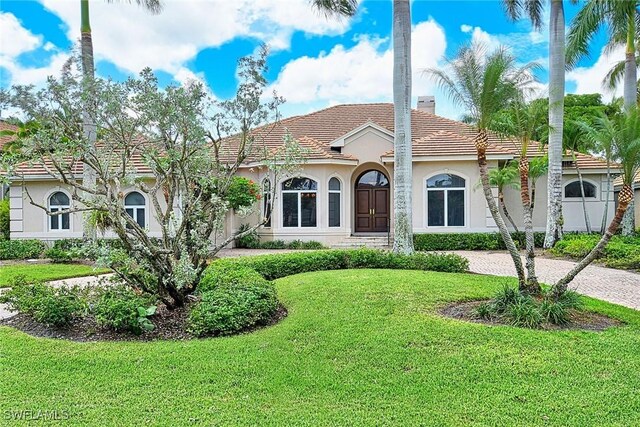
{"type": "Point", "coordinates": [466, 28]}
{"type": "Point", "coordinates": [131, 38]}
{"type": "Point", "coordinates": [15, 38]}
{"type": "Point", "coordinates": [361, 73]}
{"type": "Point", "coordinates": [589, 79]}
{"type": "Point", "coordinates": [21, 75]}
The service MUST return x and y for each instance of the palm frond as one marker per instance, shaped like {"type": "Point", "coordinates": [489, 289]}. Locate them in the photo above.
{"type": "Point", "coordinates": [583, 28]}
{"type": "Point", "coordinates": [336, 8]}
{"type": "Point", "coordinates": [153, 6]}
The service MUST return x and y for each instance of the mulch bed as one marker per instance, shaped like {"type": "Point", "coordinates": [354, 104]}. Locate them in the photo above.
{"type": "Point", "coordinates": [170, 325]}
{"type": "Point", "coordinates": [580, 320]}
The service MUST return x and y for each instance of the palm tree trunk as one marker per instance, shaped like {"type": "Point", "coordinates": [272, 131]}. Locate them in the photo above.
{"type": "Point", "coordinates": [88, 126]}
{"type": "Point", "coordinates": [503, 207]}
{"type": "Point", "coordinates": [587, 222]}
{"type": "Point", "coordinates": [630, 100]}
{"type": "Point", "coordinates": [482, 141]}
{"type": "Point", "coordinates": [556, 114]}
{"type": "Point", "coordinates": [624, 199]}
{"type": "Point", "coordinates": [532, 285]}
{"type": "Point", "coordinates": [603, 227]}
{"type": "Point", "coordinates": [402, 180]}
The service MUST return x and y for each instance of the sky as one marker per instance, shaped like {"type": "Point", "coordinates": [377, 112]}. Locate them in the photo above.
{"type": "Point", "coordinates": [314, 62]}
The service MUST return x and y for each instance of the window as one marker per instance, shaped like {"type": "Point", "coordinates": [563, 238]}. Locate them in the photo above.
{"type": "Point", "coordinates": [445, 201]}
{"type": "Point", "coordinates": [134, 205]}
{"type": "Point", "coordinates": [59, 201]}
{"type": "Point", "coordinates": [573, 190]}
{"type": "Point", "coordinates": [266, 201]}
{"type": "Point", "coordinates": [373, 179]}
{"type": "Point", "coordinates": [299, 202]}
{"type": "Point", "coordinates": [334, 202]}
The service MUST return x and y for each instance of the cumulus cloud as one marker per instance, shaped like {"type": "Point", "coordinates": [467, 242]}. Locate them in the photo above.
{"type": "Point", "coordinates": [589, 79]}
{"type": "Point", "coordinates": [131, 38]}
{"type": "Point", "coordinates": [361, 73]}
{"type": "Point", "coordinates": [15, 38]}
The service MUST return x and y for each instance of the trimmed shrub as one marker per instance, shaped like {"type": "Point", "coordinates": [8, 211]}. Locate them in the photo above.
{"type": "Point", "coordinates": [21, 249]}
{"type": "Point", "coordinates": [4, 219]}
{"type": "Point", "coordinates": [231, 308]}
{"type": "Point", "coordinates": [622, 251]}
{"type": "Point", "coordinates": [227, 274]}
{"type": "Point", "coordinates": [121, 309]}
{"type": "Point", "coordinates": [46, 304]}
{"type": "Point", "coordinates": [58, 255]}
{"type": "Point", "coordinates": [470, 241]}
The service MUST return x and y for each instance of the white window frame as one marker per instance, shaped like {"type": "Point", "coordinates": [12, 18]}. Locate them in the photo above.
{"type": "Point", "coordinates": [57, 208]}
{"type": "Point", "coordinates": [137, 208]}
{"type": "Point", "coordinates": [339, 192]}
{"type": "Point", "coordinates": [578, 198]}
{"type": "Point", "coordinates": [465, 190]}
{"type": "Point", "coordinates": [283, 192]}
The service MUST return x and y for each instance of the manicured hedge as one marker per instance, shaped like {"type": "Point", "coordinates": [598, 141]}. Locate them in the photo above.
{"type": "Point", "coordinates": [236, 293]}
{"type": "Point", "coordinates": [21, 249]}
{"type": "Point", "coordinates": [470, 241]}
{"type": "Point", "coordinates": [4, 219]}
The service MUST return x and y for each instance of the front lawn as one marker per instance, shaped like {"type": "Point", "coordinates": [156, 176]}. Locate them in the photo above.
{"type": "Point", "coordinates": [359, 347]}
{"type": "Point", "coordinates": [46, 272]}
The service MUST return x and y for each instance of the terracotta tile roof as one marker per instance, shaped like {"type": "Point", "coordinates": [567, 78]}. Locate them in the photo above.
{"type": "Point", "coordinates": [4, 126]}
{"type": "Point", "coordinates": [445, 143]}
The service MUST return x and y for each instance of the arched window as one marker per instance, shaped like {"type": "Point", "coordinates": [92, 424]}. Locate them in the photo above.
{"type": "Point", "coordinates": [372, 178]}
{"type": "Point", "coordinates": [334, 202]}
{"type": "Point", "coordinates": [299, 202]}
{"type": "Point", "coordinates": [59, 201]}
{"type": "Point", "coordinates": [445, 201]}
{"type": "Point", "coordinates": [573, 190]}
{"type": "Point", "coordinates": [135, 206]}
{"type": "Point", "coordinates": [266, 201]}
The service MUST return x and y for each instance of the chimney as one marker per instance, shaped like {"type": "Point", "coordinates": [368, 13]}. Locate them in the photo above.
{"type": "Point", "coordinates": [427, 103]}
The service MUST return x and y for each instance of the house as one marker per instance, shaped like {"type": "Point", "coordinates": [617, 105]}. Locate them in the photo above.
{"type": "Point", "coordinates": [345, 186]}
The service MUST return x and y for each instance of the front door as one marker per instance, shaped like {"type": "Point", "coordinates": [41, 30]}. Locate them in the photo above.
{"type": "Point", "coordinates": [372, 203]}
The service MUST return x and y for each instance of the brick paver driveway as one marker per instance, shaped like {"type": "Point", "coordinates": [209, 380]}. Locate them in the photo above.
{"type": "Point", "coordinates": [617, 286]}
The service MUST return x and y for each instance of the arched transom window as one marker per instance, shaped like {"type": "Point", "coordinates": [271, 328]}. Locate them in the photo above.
{"type": "Point", "coordinates": [573, 190]}
{"type": "Point", "coordinates": [135, 206]}
{"type": "Point", "coordinates": [59, 201]}
{"type": "Point", "coordinates": [334, 202]}
{"type": "Point", "coordinates": [299, 202]}
{"type": "Point", "coordinates": [446, 201]}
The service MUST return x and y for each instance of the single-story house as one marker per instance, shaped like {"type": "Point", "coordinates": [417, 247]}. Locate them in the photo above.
{"type": "Point", "coordinates": [345, 186]}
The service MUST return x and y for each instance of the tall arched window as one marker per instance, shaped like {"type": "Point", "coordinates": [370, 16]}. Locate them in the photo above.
{"type": "Point", "coordinates": [266, 201]}
{"type": "Point", "coordinates": [445, 201]}
{"type": "Point", "coordinates": [135, 206]}
{"type": "Point", "coordinates": [299, 202]}
{"type": "Point", "coordinates": [59, 201]}
{"type": "Point", "coordinates": [334, 202]}
{"type": "Point", "coordinates": [573, 190]}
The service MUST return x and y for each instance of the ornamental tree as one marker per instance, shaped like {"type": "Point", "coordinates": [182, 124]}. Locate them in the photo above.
{"type": "Point", "coordinates": [177, 146]}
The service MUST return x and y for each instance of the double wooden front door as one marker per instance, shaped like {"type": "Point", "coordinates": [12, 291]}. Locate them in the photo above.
{"type": "Point", "coordinates": [372, 210]}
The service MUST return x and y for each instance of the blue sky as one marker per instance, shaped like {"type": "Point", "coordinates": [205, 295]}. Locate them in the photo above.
{"type": "Point", "coordinates": [314, 61]}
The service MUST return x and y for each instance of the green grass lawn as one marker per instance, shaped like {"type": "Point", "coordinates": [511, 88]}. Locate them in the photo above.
{"type": "Point", "coordinates": [46, 272]}
{"type": "Point", "coordinates": [359, 347]}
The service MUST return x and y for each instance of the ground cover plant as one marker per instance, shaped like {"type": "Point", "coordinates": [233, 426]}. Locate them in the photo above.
{"type": "Point", "coordinates": [358, 347]}
{"type": "Point", "coordinates": [622, 252]}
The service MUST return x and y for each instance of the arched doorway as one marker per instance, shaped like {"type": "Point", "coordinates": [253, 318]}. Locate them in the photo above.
{"type": "Point", "coordinates": [372, 202]}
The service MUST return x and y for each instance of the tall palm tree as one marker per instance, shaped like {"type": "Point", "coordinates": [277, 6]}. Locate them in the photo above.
{"type": "Point", "coordinates": [622, 133]}
{"type": "Point", "coordinates": [533, 10]}
{"type": "Point", "coordinates": [88, 71]}
{"type": "Point", "coordinates": [484, 84]}
{"type": "Point", "coordinates": [403, 165]}
{"type": "Point", "coordinates": [621, 21]}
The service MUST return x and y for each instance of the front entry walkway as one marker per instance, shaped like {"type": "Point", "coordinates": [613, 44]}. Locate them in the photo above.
{"type": "Point", "coordinates": [616, 286]}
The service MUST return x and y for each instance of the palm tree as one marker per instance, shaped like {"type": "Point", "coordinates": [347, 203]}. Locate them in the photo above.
{"type": "Point", "coordinates": [336, 8]}
{"type": "Point", "coordinates": [621, 20]}
{"type": "Point", "coordinates": [484, 84]}
{"type": "Point", "coordinates": [533, 10]}
{"type": "Point", "coordinates": [622, 133]}
{"type": "Point", "coordinates": [501, 178]}
{"type": "Point", "coordinates": [88, 71]}
{"type": "Point", "coordinates": [402, 166]}
{"type": "Point", "coordinates": [575, 140]}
